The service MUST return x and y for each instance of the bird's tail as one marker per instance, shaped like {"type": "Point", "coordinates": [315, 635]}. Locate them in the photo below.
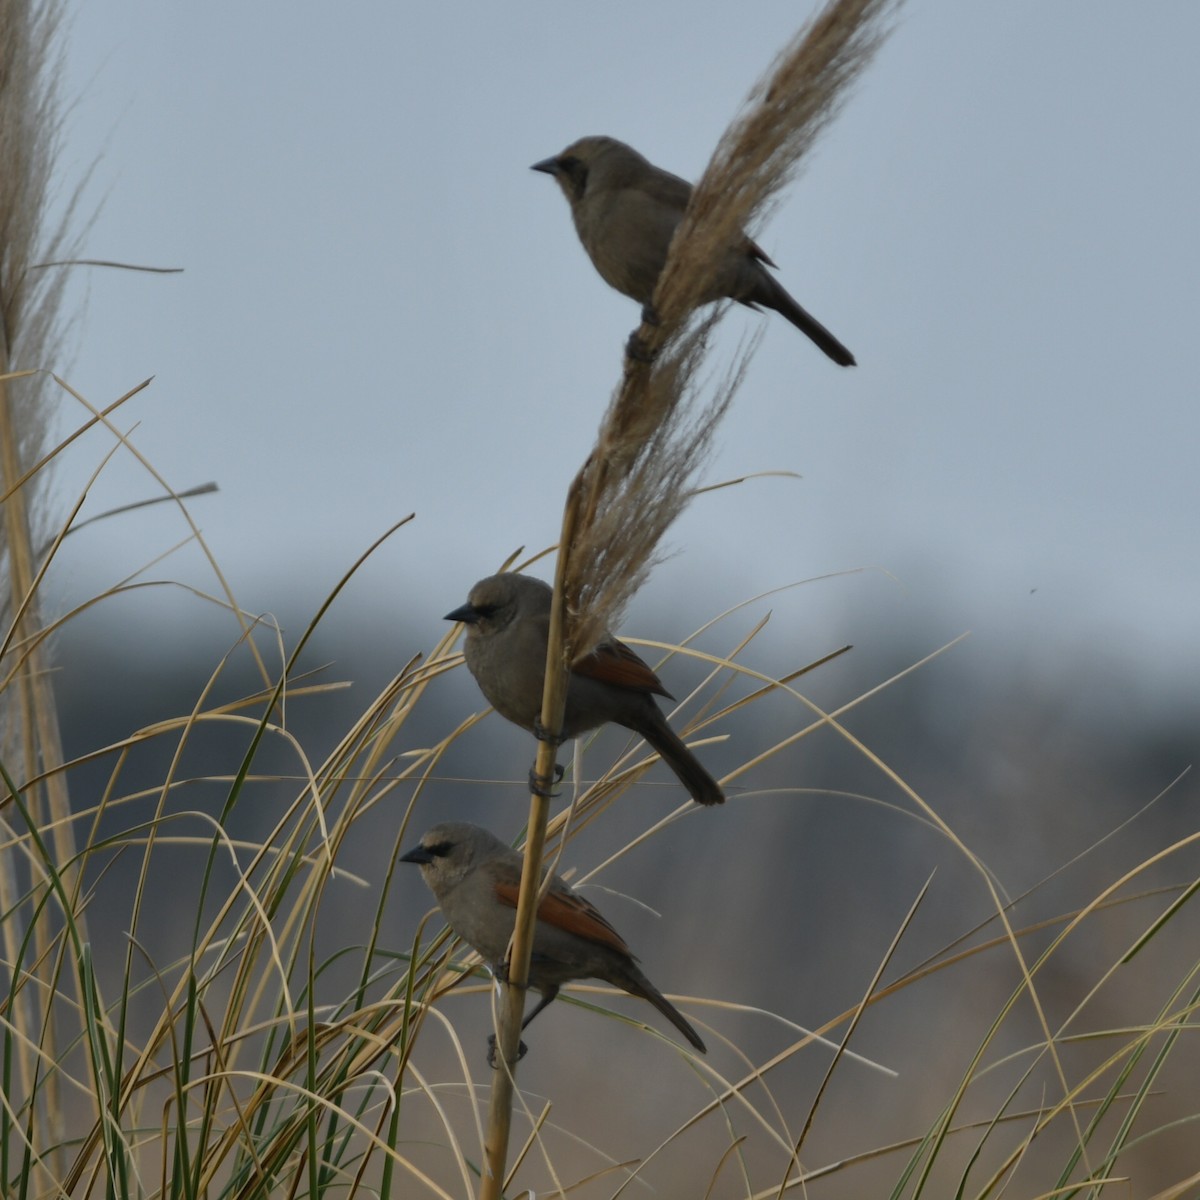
{"type": "Point", "coordinates": [701, 786]}
{"type": "Point", "coordinates": [778, 298]}
{"type": "Point", "coordinates": [634, 982]}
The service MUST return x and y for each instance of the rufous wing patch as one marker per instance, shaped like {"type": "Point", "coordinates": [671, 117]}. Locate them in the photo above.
{"type": "Point", "coordinates": [565, 910]}
{"type": "Point", "coordinates": [613, 662]}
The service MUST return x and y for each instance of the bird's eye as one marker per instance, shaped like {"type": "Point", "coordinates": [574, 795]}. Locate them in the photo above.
{"type": "Point", "coordinates": [576, 171]}
{"type": "Point", "coordinates": [439, 849]}
{"type": "Point", "coordinates": [485, 610]}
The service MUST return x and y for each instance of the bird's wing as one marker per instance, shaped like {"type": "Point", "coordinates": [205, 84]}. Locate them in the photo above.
{"type": "Point", "coordinates": [613, 662]}
{"type": "Point", "coordinates": [666, 188]}
{"type": "Point", "coordinates": [566, 910]}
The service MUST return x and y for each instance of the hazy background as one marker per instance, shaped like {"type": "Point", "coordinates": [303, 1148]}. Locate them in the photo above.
{"type": "Point", "coordinates": [384, 311]}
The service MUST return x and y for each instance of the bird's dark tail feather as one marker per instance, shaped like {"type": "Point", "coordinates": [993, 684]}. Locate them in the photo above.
{"type": "Point", "coordinates": [781, 301]}
{"type": "Point", "coordinates": [638, 985]}
{"type": "Point", "coordinates": [701, 786]}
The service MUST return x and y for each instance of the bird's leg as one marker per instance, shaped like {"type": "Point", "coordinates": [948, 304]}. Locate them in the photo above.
{"type": "Point", "coordinates": [501, 971]}
{"type": "Point", "coordinates": [539, 785]}
{"type": "Point", "coordinates": [547, 996]}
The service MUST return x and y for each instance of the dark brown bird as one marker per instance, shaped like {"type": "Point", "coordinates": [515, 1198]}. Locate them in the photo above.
{"type": "Point", "coordinates": [476, 877]}
{"type": "Point", "coordinates": [508, 625]}
{"type": "Point", "coordinates": [626, 210]}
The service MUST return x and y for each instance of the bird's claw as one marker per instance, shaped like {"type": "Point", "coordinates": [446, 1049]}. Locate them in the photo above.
{"type": "Point", "coordinates": [545, 735]}
{"type": "Point", "coordinates": [637, 351]}
{"type": "Point", "coordinates": [522, 1050]}
{"type": "Point", "coordinates": [542, 785]}
{"type": "Point", "coordinates": [650, 315]}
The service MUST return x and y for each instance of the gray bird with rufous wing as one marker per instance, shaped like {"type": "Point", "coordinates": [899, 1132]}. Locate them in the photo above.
{"type": "Point", "coordinates": [508, 626]}
{"type": "Point", "coordinates": [626, 211]}
{"type": "Point", "coordinates": [476, 879]}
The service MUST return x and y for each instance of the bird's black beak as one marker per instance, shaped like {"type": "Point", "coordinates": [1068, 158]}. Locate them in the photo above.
{"type": "Point", "coordinates": [465, 613]}
{"type": "Point", "coordinates": [418, 854]}
{"type": "Point", "coordinates": [548, 166]}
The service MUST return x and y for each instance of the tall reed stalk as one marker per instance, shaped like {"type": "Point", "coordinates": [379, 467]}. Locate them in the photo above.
{"type": "Point", "coordinates": [658, 428]}
{"type": "Point", "coordinates": [30, 326]}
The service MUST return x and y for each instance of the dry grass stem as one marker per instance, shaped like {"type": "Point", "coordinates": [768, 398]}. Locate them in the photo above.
{"type": "Point", "coordinates": [657, 432]}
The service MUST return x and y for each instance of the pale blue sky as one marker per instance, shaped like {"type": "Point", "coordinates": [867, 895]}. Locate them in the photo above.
{"type": "Point", "coordinates": [384, 310]}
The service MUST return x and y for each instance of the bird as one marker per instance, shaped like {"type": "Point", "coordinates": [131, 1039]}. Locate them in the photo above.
{"type": "Point", "coordinates": [508, 624]}
{"type": "Point", "coordinates": [475, 879]}
{"type": "Point", "coordinates": [626, 210]}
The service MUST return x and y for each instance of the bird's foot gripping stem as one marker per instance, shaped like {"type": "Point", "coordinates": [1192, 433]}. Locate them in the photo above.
{"type": "Point", "coordinates": [542, 785]}
{"type": "Point", "coordinates": [637, 351]}
{"type": "Point", "coordinates": [493, 1058]}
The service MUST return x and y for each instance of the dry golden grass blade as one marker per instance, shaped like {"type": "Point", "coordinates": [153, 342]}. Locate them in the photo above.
{"type": "Point", "coordinates": [831, 719]}
{"type": "Point", "coordinates": [736, 1090]}
{"type": "Point", "coordinates": [18, 648]}
{"type": "Point", "coordinates": [1178, 1191]}
{"type": "Point", "coordinates": [740, 479]}
{"type": "Point", "coordinates": [430, 1093]}
{"type": "Point", "coordinates": [200, 489]}
{"type": "Point", "coordinates": [851, 1026]}
{"type": "Point", "coordinates": [321, 1103]}
{"type": "Point", "coordinates": [77, 433]}
{"type": "Point", "coordinates": [813, 1174]}
{"type": "Point", "coordinates": [105, 262]}
{"type": "Point", "coordinates": [729, 1152]}
{"type": "Point", "coordinates": [532, 1140]}
{"type": "Point", "coordinates": [586, 1180]}
{"type": "Point", "coordinates": [218, 574]}
{"type": "Point", "coordinates": [160, 728]}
